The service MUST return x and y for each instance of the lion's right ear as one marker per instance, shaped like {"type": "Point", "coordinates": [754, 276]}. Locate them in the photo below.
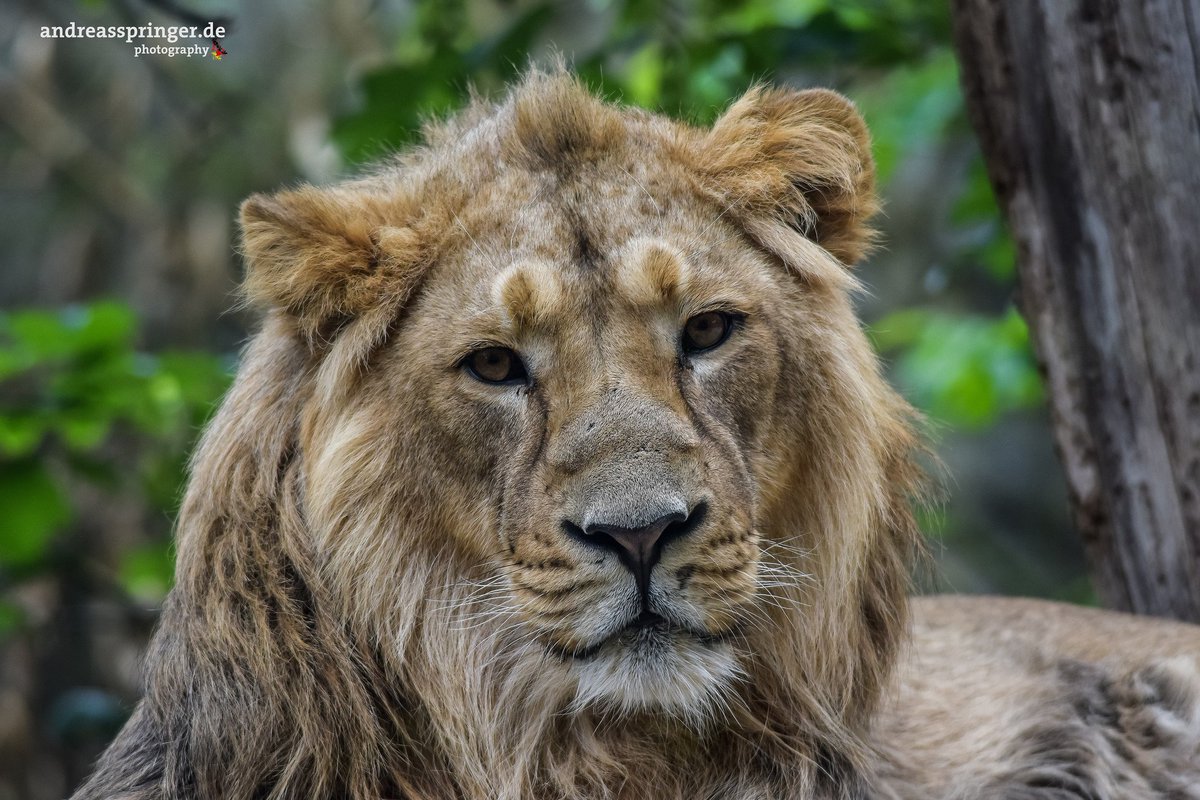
{"type": "Point", "coordinates": [326, 256]}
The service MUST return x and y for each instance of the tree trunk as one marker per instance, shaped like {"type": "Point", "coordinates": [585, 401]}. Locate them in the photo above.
{"type": "Point", "coordinates": [1087, 114]}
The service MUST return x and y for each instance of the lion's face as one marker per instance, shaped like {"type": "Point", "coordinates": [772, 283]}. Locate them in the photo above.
{"type": "Point", "coordinates": [574, 371]}
{"type": "Point", "coordinates": [612, 371]}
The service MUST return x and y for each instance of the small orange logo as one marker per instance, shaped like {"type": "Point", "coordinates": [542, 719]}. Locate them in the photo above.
{"type": "Point", "coordinates": [217, 50]}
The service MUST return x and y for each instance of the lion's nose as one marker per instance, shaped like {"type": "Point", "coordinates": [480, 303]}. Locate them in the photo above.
{"type": "Point", "coordinates": [639, 548]}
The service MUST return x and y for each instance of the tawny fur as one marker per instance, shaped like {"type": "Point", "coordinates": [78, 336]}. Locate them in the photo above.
{"type": "Point", "coordinates": [373, 595]}
{"type": "Point", "coordinates": [1031, 700]}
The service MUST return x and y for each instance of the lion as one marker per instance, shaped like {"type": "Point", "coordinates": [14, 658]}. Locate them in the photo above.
{"type": "Point", "coordinates": [562, 468]}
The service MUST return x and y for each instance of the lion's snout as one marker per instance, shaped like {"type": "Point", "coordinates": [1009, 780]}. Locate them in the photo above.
{"type": "Point", "coordinates": [638, 486]}
{"type": "Point", "coordinates": [650, 516]}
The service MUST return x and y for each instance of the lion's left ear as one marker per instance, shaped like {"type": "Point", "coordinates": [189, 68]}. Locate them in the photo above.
{"type": "Point", "coordinates": [800, 158]}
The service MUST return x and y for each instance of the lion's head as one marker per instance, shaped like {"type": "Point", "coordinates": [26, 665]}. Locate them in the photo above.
{"type": "Point", "coordinates": [561, 467]}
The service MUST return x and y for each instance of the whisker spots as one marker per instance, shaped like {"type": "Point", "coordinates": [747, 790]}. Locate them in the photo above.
{"type": "Point", "coordinates": [552, 593]}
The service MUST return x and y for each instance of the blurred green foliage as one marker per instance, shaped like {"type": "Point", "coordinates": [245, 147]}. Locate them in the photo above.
{"type": "Point", "coordinates": [690, 59]}
{"type": "Point", "coordinates": [80, 403]}
{"type": "Point", "coordinates": [964, 369]}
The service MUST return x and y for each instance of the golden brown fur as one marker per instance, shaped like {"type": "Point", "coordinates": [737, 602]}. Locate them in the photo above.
{"type": "Point", "coordinates": [385, 586]}
{"type": "Point", "coordinates": [1032, 700]}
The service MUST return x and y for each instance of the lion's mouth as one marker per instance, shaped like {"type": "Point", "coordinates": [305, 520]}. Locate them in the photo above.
{"type": "Point", "coordinates": [645, 632]}
{"type": "Point", "coordinates": [647, 621]}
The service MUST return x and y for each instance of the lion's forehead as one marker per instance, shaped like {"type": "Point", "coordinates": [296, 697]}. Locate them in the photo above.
{"type": "Point", "coordinates": [545, 247]}
{"type": "Point", "coordinates": [584, 213]}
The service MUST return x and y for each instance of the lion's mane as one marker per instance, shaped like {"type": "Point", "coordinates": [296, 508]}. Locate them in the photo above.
{"type": "Point", "coordinates": [349, 664]}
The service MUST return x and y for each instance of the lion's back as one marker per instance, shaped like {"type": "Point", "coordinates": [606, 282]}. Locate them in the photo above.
{"type": "Point", "coordinates": [1002, 698]}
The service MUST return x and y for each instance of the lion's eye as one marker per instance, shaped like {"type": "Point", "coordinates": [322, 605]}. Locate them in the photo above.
{"type": "Point", "coordinates": [496, 365]}
{"type": "Point", "coordinates": [706, 331]}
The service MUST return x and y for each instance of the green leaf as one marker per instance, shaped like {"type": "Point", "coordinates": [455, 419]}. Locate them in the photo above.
{"type": "Point", "coordinates": [72, 331]}
{"type": "Point", "coordinates": [83, 432]}
{"type": "Point", "coordinates": [34, 511]}
{"type": "Point", "coordinates": [38, 334]}
{"type": "Point", "coordinates": [20, 432]}
{"type": "Point", "coordinates": [102, 325]}
{"type": "Point", "coordinates": [644, 75]}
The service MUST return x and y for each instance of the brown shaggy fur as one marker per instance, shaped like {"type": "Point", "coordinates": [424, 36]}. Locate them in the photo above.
{"type": "Point", "coordinates": [376, 592]}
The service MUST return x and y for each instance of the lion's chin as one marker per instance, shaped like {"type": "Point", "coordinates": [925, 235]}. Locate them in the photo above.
{"type": "Point", "coordinates": [672, 672]}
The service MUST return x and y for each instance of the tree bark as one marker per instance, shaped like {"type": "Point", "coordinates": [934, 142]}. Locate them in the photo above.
{"type": "Point", "coordinates": [1087, 112]}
